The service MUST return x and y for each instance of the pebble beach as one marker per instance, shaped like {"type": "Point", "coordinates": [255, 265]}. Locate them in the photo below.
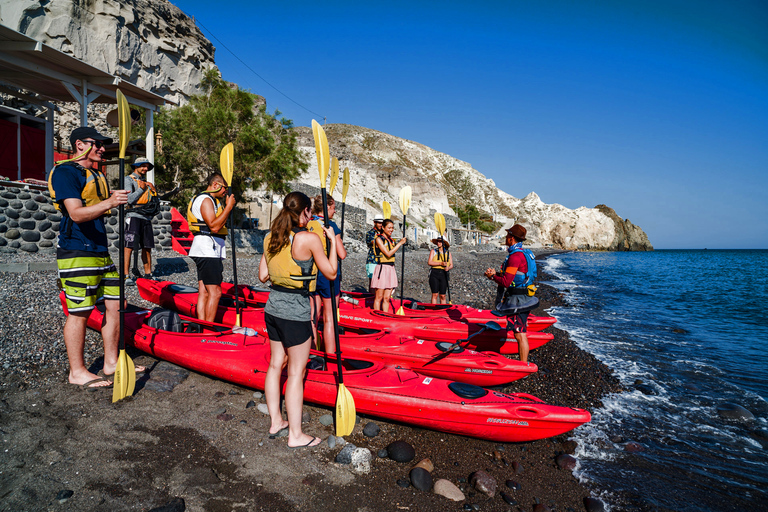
{"type": "Point", "coordinates": [196, 443]}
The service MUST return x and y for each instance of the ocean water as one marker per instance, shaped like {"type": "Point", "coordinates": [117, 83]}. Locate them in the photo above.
{"type": "Point", "coordinates": [691, 326]}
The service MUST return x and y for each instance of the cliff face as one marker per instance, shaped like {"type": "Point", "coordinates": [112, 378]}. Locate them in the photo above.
{"type": "Point", "coordinates": [151, 43]}
{"type": "Point", "coordinates": [381, 164]}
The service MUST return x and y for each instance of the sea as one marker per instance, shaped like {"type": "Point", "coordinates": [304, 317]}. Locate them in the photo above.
{"type": "Point", "coordinates": [686, 332]}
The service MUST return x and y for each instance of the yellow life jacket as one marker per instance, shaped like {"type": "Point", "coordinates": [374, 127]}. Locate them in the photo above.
{"type": "Point", "coordinates": [441, 255]}
{"type": "Point", "coordinates": [285, 273]}
{"type": "Point", "coordinates": [380, 256]}
{"type": "Point", "coordinates": [145, 197]}
{"type": "Point", "coordinates": [96, 188]}
{"type": "Point", "coordinates": [315, 226]}
{"type": "Point", "coordinates": [198, 226]}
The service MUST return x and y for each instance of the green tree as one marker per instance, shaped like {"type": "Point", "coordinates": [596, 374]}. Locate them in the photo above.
{"type": "Point", "coordinates": [266, 149]}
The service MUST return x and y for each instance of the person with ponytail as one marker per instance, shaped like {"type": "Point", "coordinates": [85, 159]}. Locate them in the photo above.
{"type": "Point", "coordinates": [292, 257]}
{"type": "Point", "coordinates": [384, 275]}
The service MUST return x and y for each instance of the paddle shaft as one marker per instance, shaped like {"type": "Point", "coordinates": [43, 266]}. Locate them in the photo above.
{"type": "Point", "coordinates": [342, 235]}
{"type": "Point", "coordinates": [333, 294]}
{"type": "Point", "coordinates": [402, 266]}
{"type": "Point", "coordinates": [234, 265]}
{"type": "Point", "coordinates": [121, 260]}
{"type": "Point", "coordinates": [447, 275]}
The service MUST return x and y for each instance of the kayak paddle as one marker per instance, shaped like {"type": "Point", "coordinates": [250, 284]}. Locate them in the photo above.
{"type": "Point", "coordinates": [334, 174]}
{"type": "Point", "coordinates": [386, 209]}
{"type": "Point", "coordinates": [344, 190]}
{"type": "Point", "coordinates": [227, 166]}
{"type": "Point", "coordinates": [345, 404]}
{"type": "Point", "coordinates": [405, 203]}
{"type": "Point", "coordinates": [493, 326]}
{"type": "Point", "coordinates": [124, 380]}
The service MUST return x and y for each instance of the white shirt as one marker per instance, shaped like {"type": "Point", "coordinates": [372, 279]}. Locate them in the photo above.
{"type": "Point", "coordinates": [204, 246]}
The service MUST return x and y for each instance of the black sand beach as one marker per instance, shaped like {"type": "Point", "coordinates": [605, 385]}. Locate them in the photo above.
{"type": "Point", "coordinates": [184, 435]}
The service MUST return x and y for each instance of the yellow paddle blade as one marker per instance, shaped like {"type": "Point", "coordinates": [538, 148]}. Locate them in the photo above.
{"type": "Point", "coordinates": [405, 199]}
{"type": "Point", "coordinates": [334, 174]}
{"type": "Point", "coordinates": [227, 162]}
{"type": "Point", "coordinates": [400, 311]}
{"type": "Point", "coordinates": [322, 151]}
{"type": "Point", "coordinates": [124, 122]}
{"type": "Point", "coordinates": [124, 380]}
{"type": "Point", "coordinates": [440, 223]}
{"type": "Point", "coordinates": [345, 185]}
{"type": "Point", "coordinates": [386, 209]}
{"type": "Point", "coordinates": [345, 412]}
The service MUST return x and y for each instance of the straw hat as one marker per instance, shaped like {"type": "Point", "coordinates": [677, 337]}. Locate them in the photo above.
{"type": "Point", "coordinates": [441, 239]}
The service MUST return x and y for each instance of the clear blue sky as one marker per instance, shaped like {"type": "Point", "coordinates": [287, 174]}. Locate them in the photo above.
{"type": "Point", "coordinates": [657, 108]}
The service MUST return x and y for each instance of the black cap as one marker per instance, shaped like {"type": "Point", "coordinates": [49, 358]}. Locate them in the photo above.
{"type": "Point", "coordinates": [87, 132]}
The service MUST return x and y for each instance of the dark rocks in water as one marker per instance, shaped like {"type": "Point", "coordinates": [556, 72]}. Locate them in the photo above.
{"type": "Point", "coordinates": [761, 436]}
{"type": "Point", "coordinates": [403, 482]}
{"type": "Point", "coordinates": [617, 439]}
{"type": "Point", "coordinates": [565, 461]}
{"type": "Point", "coordinates": [371, 430]}
{"type": "Point", "coordinates": [678, 330]}
{"type": "Point", "coordinates": [484, 483]}
{"type": "Point", "coordinates": [593, 505]}
{"type": "Point", "coordinates": [645, 389]}
{"type": "Point", "coordinates": [345, 455]}
{"type": "Point", "coordinates": [400, 451]}
{"type": "Point", "coordinates": [692, 387]}
{"type": "Point", "coordinates": [512, 484]}
{"type": "Point", "coordinates": [508, 499]}
{"type": "Point", "coordinates": [64, 495]}
{"type": "Point", "coordinates": [175, 505]}
{"type": "Point", "coordinates": [731, 411]}
{"type": "Point", "coordinates": [421, 479]}
{"type": "Point", "coordinates": [633, 447]}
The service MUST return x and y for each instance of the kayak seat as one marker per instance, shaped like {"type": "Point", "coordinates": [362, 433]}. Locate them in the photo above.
{"type": "Point", "coordinates": [467, 390]}
{"type": "Point", "coordinates": [181, 288]}
{"type": "Point", "coordinates": [227, 302]}
{"type": "Point", "coordinates": [316, 363]}
{"type": "Point", "coordinates": [358, 365]}
{"type": "Point", "coordinates": [164, 320]}
{"type": "Point", "coordinates": [443, 346]}
{"type": "Point", "coordinates": [191, 327]}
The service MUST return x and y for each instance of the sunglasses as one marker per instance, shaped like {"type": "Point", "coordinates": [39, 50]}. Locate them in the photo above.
{"type": "Point", "coordinates": [97, 143]}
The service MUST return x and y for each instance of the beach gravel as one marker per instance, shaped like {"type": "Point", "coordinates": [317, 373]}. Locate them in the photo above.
{"type": "Point", "coordinates": [164, 446]}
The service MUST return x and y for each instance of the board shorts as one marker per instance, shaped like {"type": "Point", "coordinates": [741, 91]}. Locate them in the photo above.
{"type": "Point", "coordinates": [323, 287]}
{"type": "Point", "coordinates": [438, 281]}
{"type": "Point", "coordinates": [87, 278]}
{"type": "Point", "coordinates": [139, 231]}
{"type": "Point", "coordinates": [369, 268]}
{"type": "Point", "coordinates": [384, 276]}
{"type": "Point", "coordinates": [288, 332]}
{"type": "Point", "coordinates": [518, 323]}
{"type": "Point", "coordinates": [209, 270]}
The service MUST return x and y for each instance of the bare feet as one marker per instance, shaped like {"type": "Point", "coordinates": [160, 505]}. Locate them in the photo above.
{"type": "Point", "coordinates": [273, 430]}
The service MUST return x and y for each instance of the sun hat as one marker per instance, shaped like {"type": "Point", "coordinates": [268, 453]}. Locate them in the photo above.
{"type": "Point", "coordinates": [87, 132]}
{"type": "Point", "coordinates": [378, 218]}
{"type": "Point", "coordinates": [143, 161]}
{"type": "Point", "coordinates": [441, 239]}
{"type": "Point", "coordinates": [518, 232]}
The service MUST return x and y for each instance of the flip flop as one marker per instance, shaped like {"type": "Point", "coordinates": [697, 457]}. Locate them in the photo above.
{"type": "Point", "coordinates": [89, 386]}
{"type": "Point", "coordinates": [280, 433]}
{"type": "Point", "coordinates": [138, 372]}
{"type": "Point", "coordinates": [308, 445]}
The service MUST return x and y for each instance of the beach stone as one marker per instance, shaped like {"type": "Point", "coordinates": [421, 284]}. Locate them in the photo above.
{"type": "Point", "coordinates": [515, 486]}
{"type": "Point", "coordinates": [400, 451]}
{"type": "Point", "coordinates": [3, 228]}
{"type": "Point", "coordinates": [12, 223]}
{"type": "Point", "coordinates": [361, 460]}
{"type": "Point", "coordinates": [39, 216]}
{"type": "Point", "coordinates": [569, 446]}
{"type": "Point", "coordinates": [566, 461]}
{"type": "Point", "coordinates": [593, 505]}
{"type": "Point", "coordinates": [40, 198]}
{"type": "Point", "coordinates": [484, 483]}
{"type": "Point", "coordinates": [31, 205]}
{"type": "Point", "coordinates": [30, 236]}
{"type": "Point", "coordinates": [45, 243]}
{"type": "Point", "coordinates": [517, 468]}
{"type": "Point", "coordinates": [383, 454]}
{"type": "Point", "coordinates": [166, 243]}
{"type": "Point", "coordinates": [345, 455]}
{"type": "Point", "coordinates": [727, 410]}
{"type": "Point", "coordinates": [326, 419]}
{"type": "Point", "coordinates": [64, 495]}
{"type": "Point", "coordinates": [508, 499]}
{"type": "Point", "coordinates": [448, 489]}
{"type": "Point", "coordinates": [371, 430]}
{"type": "Point", "coordinates": [11, 213]}
{"type": "Point", "coordinates": [403, 482]}
{"type": "Point", "coordinates": [645, 389]}
{"type": "Point", "coordinates": [421, 479]}
{"type": "Point", "coordinates": [3, 218]}
{"type": "Point", "coordinates": [55, 226]}
{"type": "Point", "coordinates": [28, 247]}
{"type": "Point", "coordinates": [331, 440]}
{"type": "Point", "coordinates": [48, 208]}
{"type": "Point", "coordinates": [633, 447]}
{"type": "Point", "coordinates": [56, 217]}
{"type": "Point", "coordinates": [23, 194]}
{"type": "Point", "coordinates": [175, 505]}
{"type": "Point", "coordinates": [48, 234]}
{"type": "Point", "coordinates": [3, 242]}
{"type": "Point", "coordinates": [262, 408]}
{"type": "Point", "coordinates": [24, 214]}
{"type": "Point", "coordinates": [165, 376]}
{"type": "Point", "coordinates": [3, 203]}
{"type": "Point", "coordinates": [425, 464]}
{"type": "Point", "coordinates": [15, 244]}
{"type": "Point", "coordinates": [16, 204]}
{"type": "Point", "coordinates": [112, 220]}
{"type": "Point", "coordinates": [257, 395]}
{"type": "Point", "coordinates": [109, 229]}
{"type": "Point", "coordinates": [250, 404]}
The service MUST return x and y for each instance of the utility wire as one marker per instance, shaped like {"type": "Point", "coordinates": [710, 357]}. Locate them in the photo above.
{"type": "Point", "coordinates": [254, 72]}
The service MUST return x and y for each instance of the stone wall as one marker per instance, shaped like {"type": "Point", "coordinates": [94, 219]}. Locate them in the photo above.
{"type": "Point", "coordinates": [30, 223]}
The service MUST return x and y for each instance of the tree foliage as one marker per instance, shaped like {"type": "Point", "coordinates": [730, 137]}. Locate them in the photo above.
{"type": "Point", "coordinates": [266, 149]}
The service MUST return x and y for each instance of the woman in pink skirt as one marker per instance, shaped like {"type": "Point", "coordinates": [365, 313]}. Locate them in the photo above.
{"type": "Point", "coordinates": [384, 275]}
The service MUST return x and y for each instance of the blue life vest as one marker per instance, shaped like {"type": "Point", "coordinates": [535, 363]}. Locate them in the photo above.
{"type": "Point", "coordinates": [523, 280]}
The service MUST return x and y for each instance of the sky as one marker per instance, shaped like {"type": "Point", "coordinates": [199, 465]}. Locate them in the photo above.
{"type": "Point", "coordinates": [656, 108]}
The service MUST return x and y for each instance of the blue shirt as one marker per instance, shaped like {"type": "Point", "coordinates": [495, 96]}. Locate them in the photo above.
{"type": "Point", "coordinates": [68, 182]}
{"type": "Point", "coordinates": [321, 279]}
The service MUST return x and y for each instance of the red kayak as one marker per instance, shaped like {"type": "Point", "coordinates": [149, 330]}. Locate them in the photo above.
{"type": "Point", "coordinates": [389, 392]}
{"type": "Point", "coordinates": [428, 327]}
{"type": "Point", "coordinates": [462, 365]}
{"type": "Point", "coordinates": [411, 308]}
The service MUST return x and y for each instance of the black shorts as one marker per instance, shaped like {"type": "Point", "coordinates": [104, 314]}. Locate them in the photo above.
{"type": "Point", "coordinates": [139, 232]}
{"type": "Point", "coordinates": [438, 281]}
{"type": "Point", "coordinates": [518, 323]}
{"type": "Point", "coordinates": [289, 332]}
{"type": "Point", "coordinates": [209, 270]}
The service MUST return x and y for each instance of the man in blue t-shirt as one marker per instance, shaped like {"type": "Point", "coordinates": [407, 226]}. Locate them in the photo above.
{"type": "Point", "coordinates": [86, 271]}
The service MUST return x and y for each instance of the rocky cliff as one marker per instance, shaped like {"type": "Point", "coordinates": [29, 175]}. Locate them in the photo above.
{"type": "Point", "coordinates": [381, 164]}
